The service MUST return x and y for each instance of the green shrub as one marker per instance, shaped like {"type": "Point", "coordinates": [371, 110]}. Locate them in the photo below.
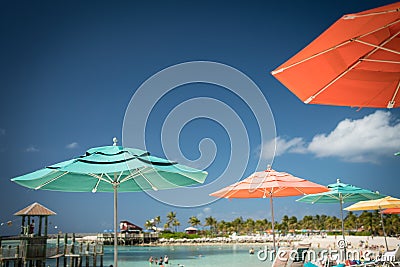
{"type": "Point", "coordinates": [178, 235]}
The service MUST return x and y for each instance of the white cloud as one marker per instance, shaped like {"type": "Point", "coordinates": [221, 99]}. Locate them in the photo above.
{"type": "Point", "coordinates": [31, 148]}
{"type": "Point", "coordinates": [363, 140]}
{"type": "Point", "coordinates": [72, 145]}
{"type": "Point", "coordinates": [282, 146]}
{"type": "Point", "coordinates": [207, 210]}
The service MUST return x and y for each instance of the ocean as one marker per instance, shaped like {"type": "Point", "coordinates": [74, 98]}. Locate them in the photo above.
{"type": "Point", "coordinates": [188, 256]}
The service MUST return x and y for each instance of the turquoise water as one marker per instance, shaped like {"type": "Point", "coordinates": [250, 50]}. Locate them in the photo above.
{"type": "Point", "coordinates": [189, 256]}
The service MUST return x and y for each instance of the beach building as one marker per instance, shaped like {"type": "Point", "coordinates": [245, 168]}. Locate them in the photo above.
{"type": "Point", "coordinates": [191, 230]}
{"type": "Point", "coordinates": [128, 227]}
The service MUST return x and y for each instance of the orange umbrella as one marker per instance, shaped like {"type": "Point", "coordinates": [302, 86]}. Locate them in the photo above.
{"type": "Point", "coordinates": [355, 62]}
{"type": "Point", "coordinates": [391, 211]}
{"type": "Point", "coordinates": [270, 184]}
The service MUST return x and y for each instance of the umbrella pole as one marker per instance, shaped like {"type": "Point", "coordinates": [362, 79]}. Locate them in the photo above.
{"type": "Point", "coordinates": [341, 216]}
{"type": "Point", "coordinates": [273, 221]}
{"type": "Point", "coordinates": [383, 228]}
{"type": "Point", "coordinates": [115, 225]}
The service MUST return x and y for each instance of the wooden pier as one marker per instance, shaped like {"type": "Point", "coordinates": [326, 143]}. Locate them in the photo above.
{"type": "Point", "coordinates": [128, 239]}
{"type": "Point", "coordinates": [66, 252]}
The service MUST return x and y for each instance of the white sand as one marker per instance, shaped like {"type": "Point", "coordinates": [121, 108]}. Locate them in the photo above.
{"type": "Point", "coordinates": [332, 241]}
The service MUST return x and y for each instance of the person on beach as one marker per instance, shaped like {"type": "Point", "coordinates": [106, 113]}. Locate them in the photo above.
{"type": "Point", "coordinates": [161, 261]}
{"type": "Point", "coordinates": [166, 259]}
{"type": "Point", "coordinates": [151, 260]}
{"type": "Point", "coordinates": [32, 227]}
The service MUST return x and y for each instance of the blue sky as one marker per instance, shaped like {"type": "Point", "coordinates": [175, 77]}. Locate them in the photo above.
{"type": "Point", "coordinates": [69, 70]}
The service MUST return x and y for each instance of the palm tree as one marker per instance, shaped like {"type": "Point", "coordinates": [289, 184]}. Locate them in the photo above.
{"type": "Point", "coordinates": [157, 220]}
{"type": "Point", "coordinates": [350, 222]}
{"type": "Point", "coordinates": [261, 225]}
{"type": "Point", "coordinates": [237, 224]}
{"type": "Point", "coordinates": [222, 226]}
{"type": "Point", "coordinates": [149, 224]}
{"type": "Point", "coordinates": [284, 223]}
{"type": "Point", "coordinates": [194, 221]}
{"type": "Point", "coordinates": [250, 225]}
{"type": "Point", "coordinates": [292, 223]}
{"type": "Point", "coordinates": [212, 223]}
{"type": "Point", "coordinates": [171, 218]}
{"type": "Point", "coordinates": [175, 224]}
{"type": "Point", "coordinates": [392, 224]}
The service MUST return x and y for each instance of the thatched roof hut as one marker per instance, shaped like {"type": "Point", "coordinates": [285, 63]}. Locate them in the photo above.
{"type": "Point", "coordinates": [35, 209]}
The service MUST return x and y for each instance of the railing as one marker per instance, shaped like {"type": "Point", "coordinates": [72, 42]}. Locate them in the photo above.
{"type": "Point", "coordinates": [9, 252]}
{"type": "Point", "coordinates": [37, 251]}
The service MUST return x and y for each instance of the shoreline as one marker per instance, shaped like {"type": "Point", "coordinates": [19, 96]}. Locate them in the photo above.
{"type": "Point", "coordinates": [315, 241]}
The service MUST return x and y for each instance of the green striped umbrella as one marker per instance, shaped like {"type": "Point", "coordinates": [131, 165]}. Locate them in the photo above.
{"type": "Point", "coordinates": [112, 169]}
{"type": "Point", "coordinates": [341, 193]}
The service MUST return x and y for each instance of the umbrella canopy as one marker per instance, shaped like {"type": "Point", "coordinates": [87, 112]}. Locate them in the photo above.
{"type": "Point", "coordinates": [391, 211]}
{"type": "Point", "coordinates": [270, 184]}
{"type": "Point", "coordinates": [112, 169]}
{"type": "Point", "coordinates": [102, 168]}
{"type": "Point", "coordinates": [341, 193]}
{"type": "Point", "coordinates": [397, 154]}
{"type": "Point", "coordinates": [377, 204]}
{"type": "Point", "coordinates": [355, 62]}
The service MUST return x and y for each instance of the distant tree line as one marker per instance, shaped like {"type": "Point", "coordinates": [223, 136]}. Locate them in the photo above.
{"type": "Point", "coordinates": [366, 223]}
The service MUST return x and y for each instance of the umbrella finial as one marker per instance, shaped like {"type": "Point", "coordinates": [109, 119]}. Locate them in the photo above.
{"type": "Point", "coordinates": [268, 167]}
{"type": "Point", "coordinates": [338, 180]}
{"type": "Point", "coordinates": [115, 141]}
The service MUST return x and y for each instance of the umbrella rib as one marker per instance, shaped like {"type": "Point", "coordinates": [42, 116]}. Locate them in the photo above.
{"type": "Point", "coordinates": [137, 173]}
{"type": "Point", "coordinates": [97, 183]}
{"type": "Point", "coordinates": [309, 58]}
{"type": "Point", "coordinates": [100, 177]}
{"type": "Point", "coordinates": [111, 180]}
{"type": "Point", "coordinates": [331, 48]}
{"type": "Point", "coordinates": [147, 180]}
{"type": "Point", "coordinates": [119, 177]}
{"type": "Point", "coordinates": [311, 98]}
{"type": "Point", "coordinates": [380, 61]}
{"type": "Point", "coordinates": [333, 196]}
{"type": "Point", "coordinates": [129, 177]}
{"type": "Point", "coordinates": [379, 46]}
{"type": "Point", "coordinates": [318, 198]}
{"type": "Point", "coordinates": [50, 181]}
{"type": "Point", "coordinates": [391, 103]}
{"type": "Point", "coordinates": [369, 14]}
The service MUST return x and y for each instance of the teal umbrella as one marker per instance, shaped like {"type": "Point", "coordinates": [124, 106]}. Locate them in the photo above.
{"type": "Point", "coordinates": [397, 154]}
{"type": "Point", "coordinates": [112, 169]}
{"type": "Point", "coordinates": [341, 193]}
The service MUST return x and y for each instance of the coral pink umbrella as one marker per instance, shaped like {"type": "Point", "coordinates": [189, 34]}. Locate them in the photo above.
{"type": "Point", "coordinates": [355, 62]}
{"type": "Point", "coordinates": [270, 184]}
{"type": "Point", "coordinates": [391, 211]}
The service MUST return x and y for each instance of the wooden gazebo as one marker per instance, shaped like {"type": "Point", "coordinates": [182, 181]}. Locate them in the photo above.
{"type": "Point", "coordinates": [33, 242]}
{"type": "Point", "coordinates": [34, 210]}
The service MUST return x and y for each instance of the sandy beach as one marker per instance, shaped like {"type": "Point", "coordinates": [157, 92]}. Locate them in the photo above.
{"type": "Point", "coordinates": [317, 241]}
{"type": "Point", "coordinates": [352, 241]}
